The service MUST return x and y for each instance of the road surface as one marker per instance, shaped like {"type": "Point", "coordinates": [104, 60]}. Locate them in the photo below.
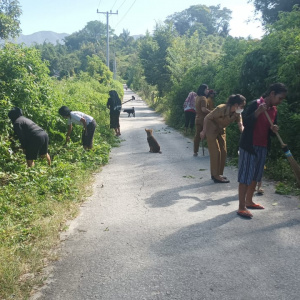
{"type": "Point", "coordinates": [157, 227]}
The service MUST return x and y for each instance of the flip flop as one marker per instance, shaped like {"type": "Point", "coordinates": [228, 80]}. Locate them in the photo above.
{"type": "Point", "coordinates": [245, 214]}
{"type": "Point", "coordinates": [260, 192]}
{"type": "Point", "coordinates": [255, 206]}
{"type": "Point", "coordinates": [220, 181]}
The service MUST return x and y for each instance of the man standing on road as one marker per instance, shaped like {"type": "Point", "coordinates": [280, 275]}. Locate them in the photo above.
{"type": "Point", "coordinates": [254, 144]}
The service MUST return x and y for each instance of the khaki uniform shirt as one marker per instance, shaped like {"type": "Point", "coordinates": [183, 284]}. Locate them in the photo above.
{"type": "Point", "coordinates": [219, 119]}
{"type": "Point", "coordinates": [201, 101]}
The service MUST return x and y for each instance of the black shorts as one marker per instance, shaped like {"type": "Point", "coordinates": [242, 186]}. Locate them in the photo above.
{"type": "Point", "coordinates": [38, 145]}
{"type": "Point", "coordinates": [87, 139]}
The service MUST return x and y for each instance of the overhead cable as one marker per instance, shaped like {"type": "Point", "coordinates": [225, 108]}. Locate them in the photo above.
{"type": "Point", "coordinates": [126, 13]}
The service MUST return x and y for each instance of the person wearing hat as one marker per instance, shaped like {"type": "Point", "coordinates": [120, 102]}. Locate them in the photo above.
{"type": "Point", "coordinates": [34, 140]}
{"type": "Point", "coordinates": [80, 118]}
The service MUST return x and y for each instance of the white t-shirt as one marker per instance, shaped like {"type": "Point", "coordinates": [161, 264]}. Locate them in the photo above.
{"type": "Point", "coordinates": [76, 116]}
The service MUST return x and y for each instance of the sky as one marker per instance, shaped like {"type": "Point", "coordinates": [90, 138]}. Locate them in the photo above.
{"type": "Point", "coordinates": [136, 16]}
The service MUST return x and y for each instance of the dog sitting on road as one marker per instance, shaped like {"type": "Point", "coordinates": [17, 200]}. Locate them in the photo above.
{"type": "Point", "coordinates": [130, 111]}
{"type": "Point", "coordinates": [153, 144]}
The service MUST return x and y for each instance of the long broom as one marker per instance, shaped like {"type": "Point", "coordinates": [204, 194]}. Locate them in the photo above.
{"type": "Point", "coordinates": [295, 167]}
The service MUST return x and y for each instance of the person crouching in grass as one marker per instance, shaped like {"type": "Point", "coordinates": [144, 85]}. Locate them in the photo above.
{"type": "Point", "coordinates": [34, 140]}
{"type": "Point", "coordinates": [79, 118]}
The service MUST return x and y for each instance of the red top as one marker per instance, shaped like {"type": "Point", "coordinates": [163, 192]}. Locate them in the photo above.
{"type": "Point", "coordinates": [262, 126]}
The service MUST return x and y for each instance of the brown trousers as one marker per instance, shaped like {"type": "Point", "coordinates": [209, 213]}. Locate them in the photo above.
{"type": "Point", "coordinates": [199, 128]}
{"type": "Point", "coordinates": [217, 152]}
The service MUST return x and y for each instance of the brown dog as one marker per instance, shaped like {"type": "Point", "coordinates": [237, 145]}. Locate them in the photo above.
{"type": "Point", "coordinates": [153, 144]}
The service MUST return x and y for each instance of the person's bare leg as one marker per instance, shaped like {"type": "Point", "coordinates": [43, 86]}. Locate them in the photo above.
{"type": "Point", "coordinates": [250, 192]}
{"type": "Point", "coordinates": [47, 156]}
{"type": "Point", "coordinates": [30, 163]}
{"type": "Point", "coordinates": [242, 196]}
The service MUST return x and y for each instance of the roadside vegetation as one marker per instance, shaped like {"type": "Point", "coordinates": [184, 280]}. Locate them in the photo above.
{"type": "Point", "coordinates": [36, 202]}
{"type": "Point", "coordinates": [191, 47]}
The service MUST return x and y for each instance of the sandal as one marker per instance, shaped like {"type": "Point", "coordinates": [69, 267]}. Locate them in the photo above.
{"type": "Point", "coordinates": [255, 206]}
{"type": "Point", "coordinates": [260, 191]}
{"type": "Point", "coordinates": [220, 181]}
{"type": "Point", "coordinates": [245, 214]}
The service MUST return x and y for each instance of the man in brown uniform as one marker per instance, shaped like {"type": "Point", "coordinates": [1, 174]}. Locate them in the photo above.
{"type": "Point", "coordinates": [214, 129]}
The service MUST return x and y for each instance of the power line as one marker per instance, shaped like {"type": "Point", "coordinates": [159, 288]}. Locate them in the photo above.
{"type": "Point", "coordinates": [99, 4]}
{"type": "Point", "coordinates": [122, 4]}
{"type": "Point", "coordinates": [126, 13]}
{"type": "Point", "coordinates": [114, 4]}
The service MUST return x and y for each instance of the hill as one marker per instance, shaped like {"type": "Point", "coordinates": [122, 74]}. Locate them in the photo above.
{"type": "Point", "coordinates": [40, 37]}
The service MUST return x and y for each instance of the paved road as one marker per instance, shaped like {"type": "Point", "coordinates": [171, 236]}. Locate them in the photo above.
{"type": "Point", "coordinates": [157, 227]}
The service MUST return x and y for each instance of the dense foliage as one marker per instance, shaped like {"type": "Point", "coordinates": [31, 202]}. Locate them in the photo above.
{"type": "Point", "coordinates": [10, 12]}
{"type": "Point", "coordinates": [34, 202]}
{"type": "Point", "coordinates": [270, 9]}
{"type": "Point", "coordinates": [203, 19]}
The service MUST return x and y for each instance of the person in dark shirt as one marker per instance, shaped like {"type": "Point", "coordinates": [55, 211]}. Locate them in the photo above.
{"type": "Point", "coordinates": [34, 140]}
{"type": "Point", "coordinates": [255, 142]}
{"type": "Point", "coordinates": [114, 104]}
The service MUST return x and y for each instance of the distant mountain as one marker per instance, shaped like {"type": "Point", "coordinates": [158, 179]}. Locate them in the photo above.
{"type": "Point", "coordinates": [138, 36]}
{"type": "Point", "coordinates": [46, 36]}
{"type": "Point", "coordinates": [40, 37]}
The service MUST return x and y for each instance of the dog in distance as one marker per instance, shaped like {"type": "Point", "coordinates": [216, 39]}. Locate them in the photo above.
{"type": "Point", "coordinates": [130, 111]}
{"type": "Point", "coordinates": [153, 144]}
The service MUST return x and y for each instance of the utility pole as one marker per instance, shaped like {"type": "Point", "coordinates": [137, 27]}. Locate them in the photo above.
{"type": "Point", "coordinates": [107, 32]}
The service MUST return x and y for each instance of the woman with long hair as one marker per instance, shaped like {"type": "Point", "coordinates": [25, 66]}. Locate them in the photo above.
{"type": "Point", "coordinates": [114, 104]}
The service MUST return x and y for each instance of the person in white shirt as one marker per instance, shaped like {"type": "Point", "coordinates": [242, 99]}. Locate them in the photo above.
{"type": "Point", "coordinates": [80, 118]}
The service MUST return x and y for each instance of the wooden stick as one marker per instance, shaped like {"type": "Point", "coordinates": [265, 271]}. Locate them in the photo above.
{"type": "Point", "coordinates": [279, 138]}
{"type": "Point", "coordinates": [295, 167]}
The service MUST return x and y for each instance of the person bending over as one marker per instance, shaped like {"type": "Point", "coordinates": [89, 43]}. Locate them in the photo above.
{"type": "Point", "coordinates": [80, 118]}
{"type": "Point", "coordinates": [34, 140]}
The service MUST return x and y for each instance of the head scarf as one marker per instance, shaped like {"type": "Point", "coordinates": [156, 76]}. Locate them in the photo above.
{"type": "Point", "coordinates": [64, 111]}
{"type": "Point", "coordinates": [115, 98]}
{"type": "Point", "coordinates": [15, 113]}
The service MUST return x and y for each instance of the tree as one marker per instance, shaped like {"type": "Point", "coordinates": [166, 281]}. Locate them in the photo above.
{"type": "Point", "coordinates": [10, 12]}
{"type": "Point", "coordinates": [153, 55]}
{"type": "Point", "coordinates": [201, 18]}
{"type": "Point", "coordinates": [186, 52]}
{"type": "Point", "coordinates": [125, 39]}
{"type": "Point", "coordinates": [270, 9]}
{"type": "Point", "coordinates": [98, 70]}
{"type": "Point", "coordinates": [93, 32]}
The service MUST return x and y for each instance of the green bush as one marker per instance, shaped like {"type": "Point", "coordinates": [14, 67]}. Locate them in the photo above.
{"type": "Point", "coordinates": [35, 202]}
